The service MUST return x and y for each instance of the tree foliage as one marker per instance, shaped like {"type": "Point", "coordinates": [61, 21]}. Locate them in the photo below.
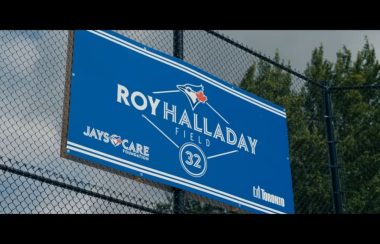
{"type": "Point", "coordinates": [356, 121]}
{"type": "Point", "coordinates": [357, 126]}
{"type": "Point", "coordinates": [307, 145]}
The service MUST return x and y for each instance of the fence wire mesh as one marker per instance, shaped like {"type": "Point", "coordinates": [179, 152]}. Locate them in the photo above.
{"type": "Point", "coordinates": [32, 74]}
{"type": "Point", "coordinates": [357, 129]}
{"type": "Point", "coordinates": [35, 179]}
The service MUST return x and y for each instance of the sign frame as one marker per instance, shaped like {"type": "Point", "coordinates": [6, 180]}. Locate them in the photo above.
{"type": "Point", "coordinates": [64, 138]}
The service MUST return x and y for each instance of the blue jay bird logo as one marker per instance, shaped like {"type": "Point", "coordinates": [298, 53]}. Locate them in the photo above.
{"type": "Point", "coordinates": [115, 140]}
{"type": "Point", "coordinates": [194, 93]}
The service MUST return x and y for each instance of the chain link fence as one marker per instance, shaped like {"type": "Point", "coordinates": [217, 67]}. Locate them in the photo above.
{"type": "Point", "coordinates": [357, 120]}
{"type": "Point", "coordinates": [35, 179]}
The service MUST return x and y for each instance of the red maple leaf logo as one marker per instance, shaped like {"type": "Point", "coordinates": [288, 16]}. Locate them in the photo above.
{"type": "Point", "coordinates": [201, 96]}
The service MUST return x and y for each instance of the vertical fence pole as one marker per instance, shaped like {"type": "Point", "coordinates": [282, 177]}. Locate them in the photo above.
{"type": "Point", "coordinates": [179, 195]}
{"type": "Point", "coordinates": [337, 197]}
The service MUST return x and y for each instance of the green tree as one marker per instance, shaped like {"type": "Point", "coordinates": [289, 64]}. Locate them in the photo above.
{"type": "Point", "coordinates": [358, 129]}
{"type": "Point", "coordinates": [305, 123]}
{"type": "Point", "coordinates": [356, 122]}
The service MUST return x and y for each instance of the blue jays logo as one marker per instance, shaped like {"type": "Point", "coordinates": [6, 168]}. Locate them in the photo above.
{"type": "Point", "coordinates": [194, 93]}
{"type": "Point", "coordinates": [115, 140]}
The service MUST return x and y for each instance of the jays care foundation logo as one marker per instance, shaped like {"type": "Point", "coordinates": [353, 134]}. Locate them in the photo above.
{"type": "Point", "coordinates": [132, 148]}
{"type": "Point", "coordinates": [115, 140]}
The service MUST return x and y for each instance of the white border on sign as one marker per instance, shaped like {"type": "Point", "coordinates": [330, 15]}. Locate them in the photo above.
{"type": "Point", "coordinates": [187, 70]}
{"type": "Point", "coordinates": [162, 175]}
{"type": "Point", "coordinates": [168, 177]}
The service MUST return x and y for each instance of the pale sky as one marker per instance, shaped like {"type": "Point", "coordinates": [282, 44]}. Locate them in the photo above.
{"type": "Point", "coordinates": [297, 45]}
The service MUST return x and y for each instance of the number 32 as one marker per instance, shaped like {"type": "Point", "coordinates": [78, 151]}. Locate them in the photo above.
{"type": "Point", "coordinates": [190, 161]}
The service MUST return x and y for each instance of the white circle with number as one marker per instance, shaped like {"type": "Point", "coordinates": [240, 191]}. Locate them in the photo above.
{"type": "Point", "coordinates": [193, 159]}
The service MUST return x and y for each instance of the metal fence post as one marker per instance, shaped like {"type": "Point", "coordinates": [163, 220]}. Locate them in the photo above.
{"type": "Point", "coordinates": [179, 195]}
{"type": "Point", "coordinates": [337, 197]}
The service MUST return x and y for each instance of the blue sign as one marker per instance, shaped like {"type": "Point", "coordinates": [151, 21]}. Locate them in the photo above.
{"type": "Point", "coordinates": [138, 110]}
